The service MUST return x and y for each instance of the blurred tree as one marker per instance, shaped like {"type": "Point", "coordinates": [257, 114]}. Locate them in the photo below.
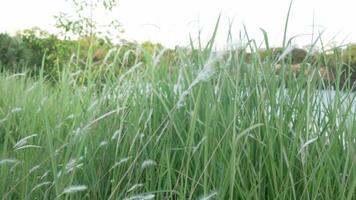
{"type": "Point", "coordinates": [298, 55]}
{"type": "Point", "coordinates": [13, 51]}
{"type": "Point", "coordinates": [42, 43]}
{"type": "Point", "coordinates": [82, 23]}
{"type": "Point", "coordinates": [349, 55]}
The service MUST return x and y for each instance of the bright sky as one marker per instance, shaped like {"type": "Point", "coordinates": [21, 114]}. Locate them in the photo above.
{"type": "Point", "coordinates": [171, 21]}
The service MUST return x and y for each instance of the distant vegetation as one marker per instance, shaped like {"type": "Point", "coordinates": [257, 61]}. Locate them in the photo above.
{"type": "Point", "coordinates": [33, 49]}
{"type": "Point", "coordinates": [204, 125]}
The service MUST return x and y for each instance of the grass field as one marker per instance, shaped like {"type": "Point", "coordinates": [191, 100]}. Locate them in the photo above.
{"type": "Point", "coordinates": [212, 127]}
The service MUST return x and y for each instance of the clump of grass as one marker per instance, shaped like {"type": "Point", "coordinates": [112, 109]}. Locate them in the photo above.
{"type": "Point", "coordinates": [212, 127]}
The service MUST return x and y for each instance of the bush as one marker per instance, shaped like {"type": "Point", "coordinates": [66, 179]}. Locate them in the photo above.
{"type": "Point", "coordinates": [298, 55]}
{"type": "Point", "coordinates": [44, 45]}
{"type": "Point", "coordinates": [349, 55]}
{"type": "Point", "coordinates": [13, 51]}
{"type": "Point", "coordinates": [29, 48]}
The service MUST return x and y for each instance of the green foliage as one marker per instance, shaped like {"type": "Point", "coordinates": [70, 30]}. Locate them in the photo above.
{"type": "Point", "coordinates": [81, 22]}
{"type": "Point", "coordinates": [349, 55]}
{"type": "Point", "coordinates": [47, 46]}
{"type": "Point", "coordinates": [298, 55]}
{"type": "Point", "coordinates": [151, 48]}
{"type": "Point", "coordinates": [13, 51]}
{"type": "Point", "coordinates": [33, 47]}
{"type": "Point", "coordinates": [37, 48]}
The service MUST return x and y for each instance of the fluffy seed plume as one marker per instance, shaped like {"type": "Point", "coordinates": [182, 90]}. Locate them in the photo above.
{"type": "Point", "coordinates": [8, 161]}
{"type": "Point", "coordinates": [74, 189]}
{"type": "Point", "coordinates": [209, 196]}
{"type": "Point", "coordinates": [141, 197]}
{"type": "Point", "coordinates": [148, 163]}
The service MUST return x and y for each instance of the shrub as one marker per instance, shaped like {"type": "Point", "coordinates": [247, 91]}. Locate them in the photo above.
{"type": "Point", "coordinates": [41, 44]}
{"type": "Point", "coordinates": [298, 55]}
{"type": "Point", "coordinates": [13, 51]}
{"type": "Point", "coordinates": [349, 55]}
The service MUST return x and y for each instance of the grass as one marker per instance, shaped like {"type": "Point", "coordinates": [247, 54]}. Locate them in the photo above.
{"type": "Point", "coordinates": [210, 127]}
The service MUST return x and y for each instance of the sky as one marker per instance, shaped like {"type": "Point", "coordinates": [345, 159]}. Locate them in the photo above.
{"type": "Point", "coordinates": [171, 22]}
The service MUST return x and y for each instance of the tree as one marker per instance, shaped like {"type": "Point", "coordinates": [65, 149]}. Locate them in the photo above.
{"type": "Point", "coordinates": [82, 22]}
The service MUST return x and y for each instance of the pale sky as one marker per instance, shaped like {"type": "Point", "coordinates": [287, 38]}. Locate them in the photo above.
{"type": "Point", "coordinates": [171, 21]}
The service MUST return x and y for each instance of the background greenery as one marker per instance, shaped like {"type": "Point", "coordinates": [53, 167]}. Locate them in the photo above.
{"type": "Point", "coordinates": [32, 49]}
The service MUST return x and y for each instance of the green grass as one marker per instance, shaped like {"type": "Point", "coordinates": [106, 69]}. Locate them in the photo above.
{"type": "Point", "coordinates": [209, 127]}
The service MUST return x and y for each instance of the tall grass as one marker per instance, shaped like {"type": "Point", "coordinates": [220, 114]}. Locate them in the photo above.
{"type": "Point", "coordinates": [211, 127]}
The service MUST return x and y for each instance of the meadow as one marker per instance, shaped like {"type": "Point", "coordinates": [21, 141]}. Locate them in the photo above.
{"type": "Point", "coordinates": [211, 125]}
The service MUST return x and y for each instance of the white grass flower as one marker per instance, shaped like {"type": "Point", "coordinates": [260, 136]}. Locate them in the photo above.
{"type": "Point", "coordinates": [216, 89]}
{"type": "Point", "coordinates": [148, 163]}
{"type": "Point", "coordinates": [31, 88]}
{"type": "Point", "coordinates": [303, 147]}
{"type": "Point", "coordinates": [158, 57]}
{"type": "Point", "coordinates": [71, 116]}
{"type": "Point", "coordinates": [115, 111]}
{"type": "Point", "coordinates": [57, 151]}
{"type": "Point", "coordinates": [14, 166]}
{"type": "Point", "coordinates": [44, 175]}
{"type": "Point", "coordinates": [120, 162]}
{"type": "Point", "coordinates": [181, 101]}
{"type": "Point", "coordinates": [40, 185]}
{"type": "Point", "coordinates": [108, 54]}
{"type": "Point", "coordinates": [198, 145]}
{"type": "Point", "coordinates": [286, 52]}
{"type": "Point", "coordinates": [141, 197]}
{"type": "Point", "coordinates": [142, 135]}
{"type": "Point", "coordinates": [148, 89]}
{"type": "Point", "coordinates": [131, 70]}
{"type": "Point", "coordinates": [8, 161]}
{"type": "Point", "coordinates": [59, 125]}
{"type": "Point", "coordinates": [16, 75]}
{"type": "Point", "coordinates": [23, 141]}
{"type": "Point", "coordinates": [28, 147]}
{"type": "Point", "coordinates": [74, 189]}
{"type": "Point", "coordinates": [59, 174]}
{"type": "Point", "coordinates": [236, 45]}
{"type": "Point", "coordinates": [178, 87]}
{"type": "Point", "coordinates": [34, 168]}
{"type": "Point", "coordinates": [209, 196]}
{"type": "Point", "coordinates": [206, 73]}
{"type": "Point", "coordinates": [208, 70]}
{"type": "Point", "coordinates": [73, 164]}
{"type": "Point", "coordinates": [117, 134]}
{"type": "Point", "coordinates": [16, 110]}
{"type": "Point", "coordinates": [4, 119]}
{"type": "Point", "coordinates": [135, 187]}
{"type": "Point", "coordinates": [43, 101]}
{"type": "Point", "coordinates": [92, 106]}
{"type": "Point", "coordinates": [77, 131]}
{"type": "Point", "coordinates": [103, 143]}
